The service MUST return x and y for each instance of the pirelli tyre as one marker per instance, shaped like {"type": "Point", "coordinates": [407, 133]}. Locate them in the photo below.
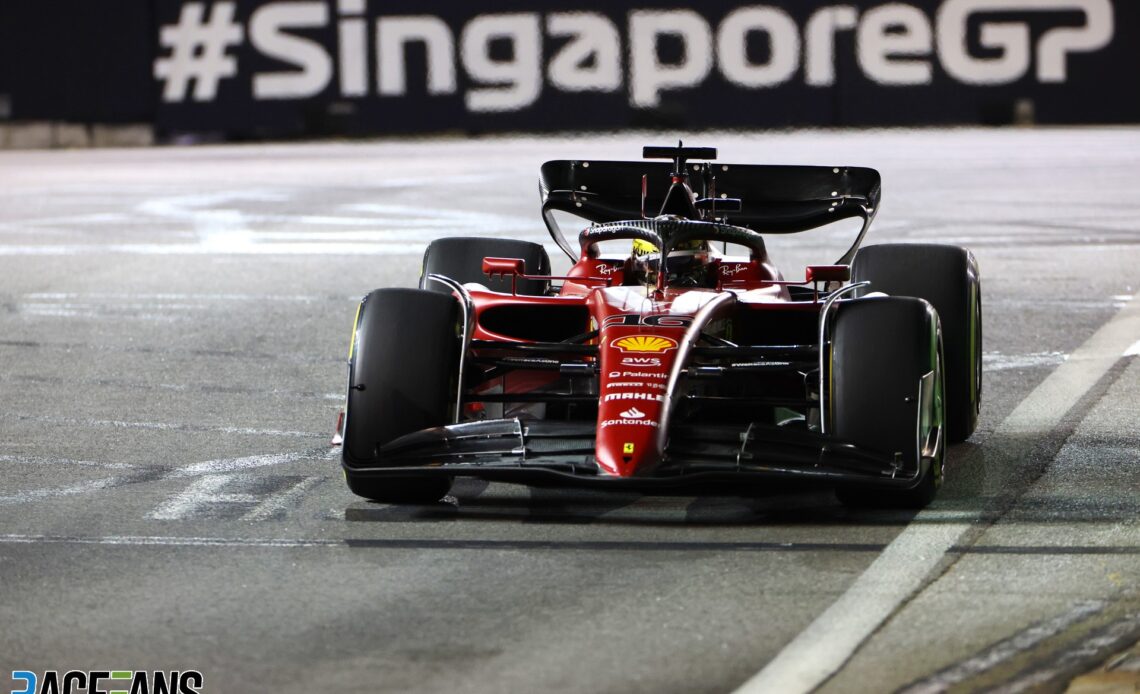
{"type": "Point", "coordinates": [886, 390]}
{"type": "Point", "coordinates": [947, 277]}
{"type": "Point", "coordinates": [461, 259]}
{"type": "Point", "coordinates": [403, 369]}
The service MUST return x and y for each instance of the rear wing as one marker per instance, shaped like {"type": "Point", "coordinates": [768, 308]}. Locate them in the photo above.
{"type": "Point", "coordinates": [773, 199]}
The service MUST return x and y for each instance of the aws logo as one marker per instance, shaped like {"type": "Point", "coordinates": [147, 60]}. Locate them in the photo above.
{"type": "Point", "coordinates": [645, 343]}
{"type": "Point", "coordinates": [108, 682]}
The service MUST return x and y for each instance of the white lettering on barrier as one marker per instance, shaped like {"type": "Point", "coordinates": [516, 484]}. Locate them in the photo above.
{"type": "Point", "coordinates": [515, 83]}
{"type": "Point", "coordinates": [822, 26]}
{"type": "Point", "coordinates": [648, 75]}
{"type": "Point", "coordinates": [888, 32]}
{"type": "Point", "coordinates": [1012, 39]}
{"type": "Point", "coordinates": [732, 46]}
{"type": "Point", "coordinates": [267, 33]}
{"type": "Point", "coordinates": [393, 34]}
{"type": "Point", "coordinates": [352, 33]}
{"type": "Point", "coordinates": [896, 44]}
{"type": "Point", "coordinates": [591, 60]}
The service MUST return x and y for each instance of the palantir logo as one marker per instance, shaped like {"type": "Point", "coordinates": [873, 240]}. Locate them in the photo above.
{"type": "Point", "coordinates": [108, 682]}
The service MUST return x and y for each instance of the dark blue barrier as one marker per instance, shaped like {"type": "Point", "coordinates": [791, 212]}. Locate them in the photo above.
{"type": "Point", "coordinates": [271, 68]}
{"type": "Point", "coordinates": [80, 61]}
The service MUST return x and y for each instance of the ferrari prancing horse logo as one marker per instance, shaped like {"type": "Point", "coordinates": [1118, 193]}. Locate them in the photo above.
{"type": "Point", "coordinates": [645, 343]}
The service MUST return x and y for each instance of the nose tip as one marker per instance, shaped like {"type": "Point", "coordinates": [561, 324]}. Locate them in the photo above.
{"type": "Point", "coordinates": [623, 464]}
{"type": "Point", "coordinates": [617, 464]}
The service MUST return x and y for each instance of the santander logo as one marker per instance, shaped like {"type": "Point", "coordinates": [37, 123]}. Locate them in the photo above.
{"type": "Point", "coordinates": [632, 413]}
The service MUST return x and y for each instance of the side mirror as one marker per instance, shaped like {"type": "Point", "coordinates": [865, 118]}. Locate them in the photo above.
{"type": "Point", "coordinates": [828, 273]}
{"type": "Point", "coordinates": [499, 267]}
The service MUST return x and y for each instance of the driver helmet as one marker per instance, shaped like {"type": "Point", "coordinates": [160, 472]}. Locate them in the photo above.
{"type": "Point", "coordinates": [686, 266]}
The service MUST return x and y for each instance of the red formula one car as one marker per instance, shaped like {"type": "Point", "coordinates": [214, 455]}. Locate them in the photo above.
{"type": "Point", "coordinates": [671, 366]}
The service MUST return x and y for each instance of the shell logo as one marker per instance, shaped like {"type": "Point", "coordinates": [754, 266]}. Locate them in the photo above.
{"type": "Point", "coordinates": [645, 343]}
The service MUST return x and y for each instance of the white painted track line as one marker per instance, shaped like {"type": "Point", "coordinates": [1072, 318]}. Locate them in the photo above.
{"type": "Point", "coordinates": [821, 649]}
{"type": "Point", "coordinates": [252, 461]}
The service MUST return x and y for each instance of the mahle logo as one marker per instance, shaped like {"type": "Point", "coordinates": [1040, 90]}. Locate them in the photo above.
{"type": "Point", "coordinates": [108, 682]}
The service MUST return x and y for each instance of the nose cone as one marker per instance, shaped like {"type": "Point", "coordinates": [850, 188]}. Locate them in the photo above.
{"type": "Point", "coordinates": [638, 343]}
{"type": "Point", "coordinates": [627, 440]}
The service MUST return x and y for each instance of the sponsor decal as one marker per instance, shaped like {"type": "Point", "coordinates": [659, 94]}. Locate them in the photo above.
{"type": "Point", "coordinates": [607, 269]}
{"type": "Point", "coordinates": [638, 374]}
{"type": "Point", "coordinates": [645, 343]}
{"type": "Point", "coordinates": [657, 321]}
{"type": "Point", "coordinates": [107, 682]}
{"type": "Point", "coordinates": [732, 270]}
{"type": "Point", "coordinates": [628, 421]}
{"type": "Point", "coordinates": [641, 361]}
{"type": "Point", "coordinates": [654, 397]}
{"type": "Point", "coordinates": [636, 384]}
{"type": "Point", "coordinates": [632, 416]}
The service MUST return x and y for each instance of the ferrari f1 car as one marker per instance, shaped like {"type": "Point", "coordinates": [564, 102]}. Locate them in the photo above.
{"type": "Point", "coordinates": [672, 365]}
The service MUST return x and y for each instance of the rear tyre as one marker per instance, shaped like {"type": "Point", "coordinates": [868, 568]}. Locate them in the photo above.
{"type": "Point", "coordinates": [461, 259]}
{"type": "Point", "coordinates": [886, 393]}
{"type": "Point", "coordinates": [947, 277]}
{"type": "Point", "coordinates": [403, 368]}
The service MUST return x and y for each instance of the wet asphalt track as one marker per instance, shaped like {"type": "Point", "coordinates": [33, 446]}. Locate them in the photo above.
{"type": "Point", "coordinates": [173, 324]}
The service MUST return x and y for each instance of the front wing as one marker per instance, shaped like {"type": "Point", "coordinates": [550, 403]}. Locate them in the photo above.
{"type": "Point", "coordinates": [697, 458]}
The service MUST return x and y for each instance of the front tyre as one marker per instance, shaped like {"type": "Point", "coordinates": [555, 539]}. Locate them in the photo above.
{"type": "Point", "coordinates": [947, 277]}
{"type": "Point", "coordinates": [403, 375]}
{"type": "Point", "coordinates": [461, 259]}
{"type": "Point", "coordinates": [887, 393]}
{"type": "Point", "coordinates": [399, 490]}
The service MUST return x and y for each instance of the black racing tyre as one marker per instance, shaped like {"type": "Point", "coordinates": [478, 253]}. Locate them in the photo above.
{"type": "Point", "coordinates": [886, 392]}
{"type": "Point", "coordinates": [947, 277]}
{"type": "Point", "coordinates": [403, 367]}
{"type": "Point", "coordinates": [461, 259]}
